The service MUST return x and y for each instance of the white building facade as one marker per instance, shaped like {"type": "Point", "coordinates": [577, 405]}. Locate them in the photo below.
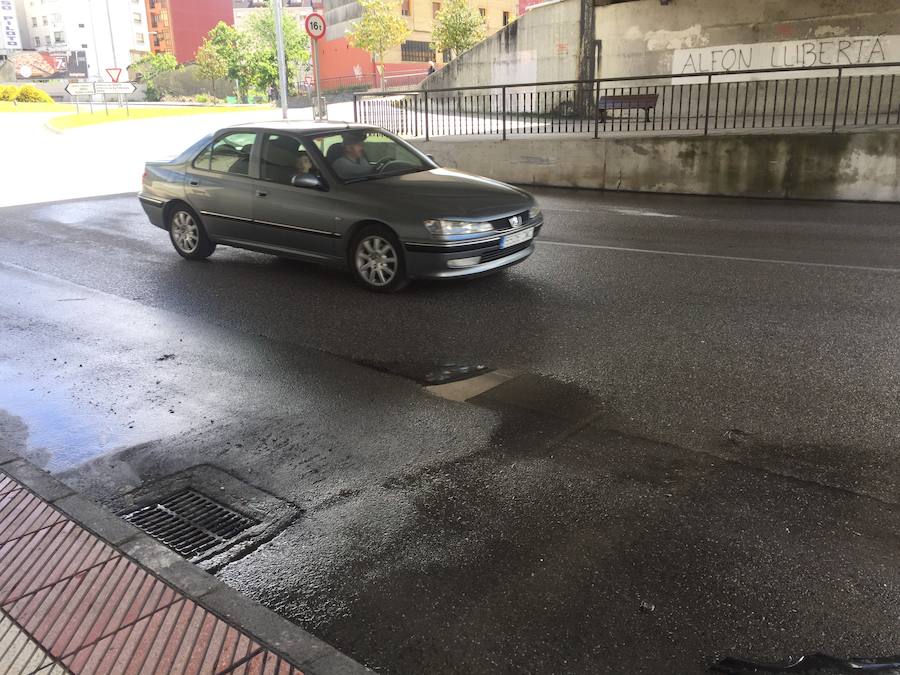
{"type": "Point", "coordinates": [80, 39]}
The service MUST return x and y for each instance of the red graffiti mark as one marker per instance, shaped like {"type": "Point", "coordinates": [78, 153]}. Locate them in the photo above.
{"type": "Point", "coordinates": [785, 30]}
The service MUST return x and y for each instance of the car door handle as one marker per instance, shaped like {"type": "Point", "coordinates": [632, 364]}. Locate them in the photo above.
{"type": "Point", "coordinates": [261, 193]}
{"type": "Point", "coordinates": [194, 182]}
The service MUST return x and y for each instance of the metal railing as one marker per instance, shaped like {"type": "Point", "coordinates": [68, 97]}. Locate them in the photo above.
{"type": "Point", "coordinates": [818, 98]}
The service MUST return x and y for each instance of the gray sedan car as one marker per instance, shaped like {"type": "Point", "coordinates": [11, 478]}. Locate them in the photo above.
{"type": "Point", "coordinates": [348, 195]}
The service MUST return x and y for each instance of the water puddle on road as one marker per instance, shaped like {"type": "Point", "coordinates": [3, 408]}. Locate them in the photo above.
{"type": "Point", "coordinates": [58, 434]}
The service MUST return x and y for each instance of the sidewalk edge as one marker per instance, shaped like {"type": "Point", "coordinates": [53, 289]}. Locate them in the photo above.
{"type": "Point", "coordinates": [312, 655]}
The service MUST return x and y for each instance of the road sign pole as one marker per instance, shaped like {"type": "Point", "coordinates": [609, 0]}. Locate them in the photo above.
{"type": "Point", "coordinates": [282, 69]}
{"type": "Point", "coordinates": [318, 85]}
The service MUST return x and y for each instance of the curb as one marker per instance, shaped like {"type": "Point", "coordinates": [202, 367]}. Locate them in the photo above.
{"type": "Point", "coordinates": [311, 655]}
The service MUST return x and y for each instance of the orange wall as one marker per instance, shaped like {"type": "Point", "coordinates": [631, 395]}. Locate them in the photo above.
{"type": "Point", "coordinates": [338, 59]}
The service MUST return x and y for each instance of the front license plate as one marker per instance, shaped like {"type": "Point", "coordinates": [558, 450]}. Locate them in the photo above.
{"type": "Point", "coordinates": [517, 238]}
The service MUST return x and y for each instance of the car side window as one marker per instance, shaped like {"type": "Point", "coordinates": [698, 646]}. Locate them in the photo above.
{"type": "Point", "coordinates": [284, 157]}
{"type": "Point", "coordinates": [228, 154]}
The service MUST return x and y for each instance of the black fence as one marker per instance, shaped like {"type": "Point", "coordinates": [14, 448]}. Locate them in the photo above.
{"type": "Point", "coordinates": [820, 98]}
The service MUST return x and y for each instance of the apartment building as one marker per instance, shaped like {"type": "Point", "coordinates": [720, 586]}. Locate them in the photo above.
{"type": "Point", "coordinates": [178, 27]}
{"type": "Point", "coordinates": [340, 61]}
{"type": "Point", "coordinates": [79, 38]}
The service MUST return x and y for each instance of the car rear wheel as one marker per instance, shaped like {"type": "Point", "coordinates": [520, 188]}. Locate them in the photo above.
{"type": "Point", "coordinates": [187, 235]}
{"type": "Point", "coordinates": [376, 260]}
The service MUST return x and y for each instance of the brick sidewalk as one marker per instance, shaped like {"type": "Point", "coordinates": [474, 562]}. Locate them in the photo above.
{"type": "Point", "coordinates": [70, 602]}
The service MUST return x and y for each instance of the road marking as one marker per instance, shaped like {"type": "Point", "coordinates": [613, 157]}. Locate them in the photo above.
{"type": "Point", "coordinates": [616, 209]}
{"type": "Point", "coordinates": [770, 261]}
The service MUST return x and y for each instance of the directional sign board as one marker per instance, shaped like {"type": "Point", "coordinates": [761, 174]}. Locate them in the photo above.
{"type": "Point", "coordinates": [80, 88]}
{"type": "Point", "coordinates": [315, 26]}
{"type": "Point", "coordinates": [114, 87]}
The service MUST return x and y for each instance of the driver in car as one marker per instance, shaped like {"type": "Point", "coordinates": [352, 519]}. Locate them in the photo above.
{"type": "Point", "coordinates": [352, 163]}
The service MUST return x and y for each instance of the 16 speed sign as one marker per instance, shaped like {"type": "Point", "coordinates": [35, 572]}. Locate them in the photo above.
{"type": "Point", "coordinates": [315, 26]}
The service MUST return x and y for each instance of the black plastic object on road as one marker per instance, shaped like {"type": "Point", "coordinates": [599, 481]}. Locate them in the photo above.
{"type": "Point", "coordinates": [812, 664]}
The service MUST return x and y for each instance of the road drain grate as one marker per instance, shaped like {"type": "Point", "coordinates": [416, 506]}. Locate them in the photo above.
{"type": "Point", "coordinates": [190, 523]}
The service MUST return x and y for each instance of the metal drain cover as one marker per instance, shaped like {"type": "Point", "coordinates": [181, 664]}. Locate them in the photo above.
{"type": "Point", "coordinates": [190, 523]}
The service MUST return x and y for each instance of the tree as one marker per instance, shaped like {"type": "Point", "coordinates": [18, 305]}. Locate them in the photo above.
{"type": "Point", "coordinates": [457, 27]}
{"type": "Point", "coordinates": [225, 47]}
{"type": "Point", "coordinates": [212, 65]}
{"type": "Point", "coordinates": [263, 55]}
{"type": "Point", "coordinates": [149, 67]}
{"type": "Point", "coordinates": [380, 27]}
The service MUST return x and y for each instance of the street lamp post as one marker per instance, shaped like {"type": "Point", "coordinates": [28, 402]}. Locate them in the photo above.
{"type": "Point", "coordinates": [282, 69]}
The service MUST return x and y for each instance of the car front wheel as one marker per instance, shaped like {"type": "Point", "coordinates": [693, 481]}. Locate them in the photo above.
{"type": "Point", "coordinates": [187, 235]}
{"type": "Point", "coordinates": [376, 260]}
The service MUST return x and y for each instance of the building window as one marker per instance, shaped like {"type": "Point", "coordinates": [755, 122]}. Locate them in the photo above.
{"type": "Point", "coordinates": [58, 37]}
{"type": "Point", "coordinates": [34, 22]}
{"type": "Point", "coordinates": [137, 17]}
{"type": "Point", "coordinates": [435, 8]}
{"type": "Point", "coordinates": [81, 25]}
{"type": "Point", "coordinates": [46, 23]}
{"type": "Point", "coordinates": [84, 46]}
{"type": "Point", "coordinates": [139, 38]}
{"type": "Point", "coordinates": [37, 42]}
{"type": "Point", "coordinates": [505, 18]}
{"type": "Point", "coordinates": [416, 50]}
{"type": "Point", "coordinates": [482, 11]}
{"type": "Point", "coordinates": [404, 7]}
{"type": "Point", "coordinates": [47, 40]}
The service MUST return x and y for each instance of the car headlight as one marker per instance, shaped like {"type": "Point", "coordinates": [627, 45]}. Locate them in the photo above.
{"type": "Point", "coordinates": [534, 212]}
{"type": "Point", "coordinates": [447, 228]}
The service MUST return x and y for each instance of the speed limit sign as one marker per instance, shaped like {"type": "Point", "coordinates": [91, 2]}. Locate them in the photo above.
{"type": "Point", "coordinates": [315, 26]}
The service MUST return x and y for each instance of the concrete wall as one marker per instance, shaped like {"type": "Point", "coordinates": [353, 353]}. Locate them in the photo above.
{"type": "Point", "coordinates": [646, 38]}
{"type": "Point", "coordinates": [856, 166]}
{"type": "Point", "coordinates": [541, 45]}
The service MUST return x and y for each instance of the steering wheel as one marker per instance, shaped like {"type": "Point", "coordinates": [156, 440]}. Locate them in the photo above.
{"type": "Point", "coordinates": [381, 163]}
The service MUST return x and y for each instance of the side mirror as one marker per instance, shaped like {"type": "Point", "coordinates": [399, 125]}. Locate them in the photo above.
{"type": "Point", "coordinates": [306, 180]}
{"type": "Point", "coordinates": [431, 157]}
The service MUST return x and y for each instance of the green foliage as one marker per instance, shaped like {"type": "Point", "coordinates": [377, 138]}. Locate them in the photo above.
{"type": "Point", "coordinates": [457, 27]}
{"type": "Point", "coordinates": [31, 94]}
{"type": "Point", "coordinates": [380, 27]}
{"type": "Point", "coordinates": [148, 68]}
{"type": "Point", "coordinates": [249, 56]}
{"type": "Point", "coordinates": [263, 55]}
{"type": "Point", "coordinates": [8, 92]}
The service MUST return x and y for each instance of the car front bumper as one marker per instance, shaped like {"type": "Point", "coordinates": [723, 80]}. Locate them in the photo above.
{"type": "Point", "coordinates": [435, 262]}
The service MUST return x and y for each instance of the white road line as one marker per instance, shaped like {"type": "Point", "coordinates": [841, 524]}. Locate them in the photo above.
{"type": "Point", "coordinates": [770, 261]}
{"type": "Point", "coordinates": [615, 209]}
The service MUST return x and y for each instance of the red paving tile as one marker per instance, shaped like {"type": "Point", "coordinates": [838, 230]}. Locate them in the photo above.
{"type": "Point", "coordinates": [98, 612]}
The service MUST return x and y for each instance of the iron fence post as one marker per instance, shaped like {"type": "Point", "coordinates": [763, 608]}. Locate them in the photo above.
{"type": "Point", "coordinates": [503, 110]}
{"type": "Point", "coordinates": [355, 111]}
{"type": "Point", "coordinates": [706, 117]}
{"type": "Point", "coordinates": [426, 115]}
{"type": "Point", "coordinates": [837, 100]}
{"type": "Point", "coordinates": [597, 111]}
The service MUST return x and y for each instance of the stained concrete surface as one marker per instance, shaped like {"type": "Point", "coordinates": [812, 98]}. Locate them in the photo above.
{"type": "Point", "coordinates": [712, 435]}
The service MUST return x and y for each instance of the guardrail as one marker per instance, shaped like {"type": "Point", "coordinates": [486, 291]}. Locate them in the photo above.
{"type": "Point", "coordinates": [818, 98]}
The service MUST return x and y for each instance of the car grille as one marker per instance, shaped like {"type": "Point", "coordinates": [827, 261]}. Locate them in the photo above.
{"type": "Point", "coordinates": [503, 252]}
{"type": "Point", "coordinates": [503, 223]}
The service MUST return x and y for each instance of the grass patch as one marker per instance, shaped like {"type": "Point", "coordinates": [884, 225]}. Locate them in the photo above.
{"type": "Point", "coordinates": [99, 115]}
{"type": "Point", "coordinates": [11, 106]}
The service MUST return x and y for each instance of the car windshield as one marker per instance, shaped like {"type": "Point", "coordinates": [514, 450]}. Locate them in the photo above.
{"type": "Point", "coordinates": [359, 154]}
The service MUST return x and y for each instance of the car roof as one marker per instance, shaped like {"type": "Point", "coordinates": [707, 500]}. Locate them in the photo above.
{"type": "Point", "coordinates": [299, 127]}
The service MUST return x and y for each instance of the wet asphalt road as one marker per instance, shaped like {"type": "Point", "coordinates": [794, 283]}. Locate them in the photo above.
{"type": "Point", "coordinates": [707, 422]}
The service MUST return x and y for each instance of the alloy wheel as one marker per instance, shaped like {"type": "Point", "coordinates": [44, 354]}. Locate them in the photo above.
{"type": "Point", "coordinates": [185, 232]}
{"type": "Point", "coordinates": [376, 260]}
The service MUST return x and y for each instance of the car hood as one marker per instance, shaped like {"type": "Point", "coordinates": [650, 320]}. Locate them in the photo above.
{"type": "Point", "coordinates": [446, 193]}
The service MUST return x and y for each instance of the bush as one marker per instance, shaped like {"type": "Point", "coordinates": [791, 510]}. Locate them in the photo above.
{"type": "Point", "coordinates": [31, 94]}
{"type": "Point", "coordinates": [8, 92]}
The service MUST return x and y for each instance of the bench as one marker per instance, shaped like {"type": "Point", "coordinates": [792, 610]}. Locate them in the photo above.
{"type": "Point", "coordinates": [645, 102]}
